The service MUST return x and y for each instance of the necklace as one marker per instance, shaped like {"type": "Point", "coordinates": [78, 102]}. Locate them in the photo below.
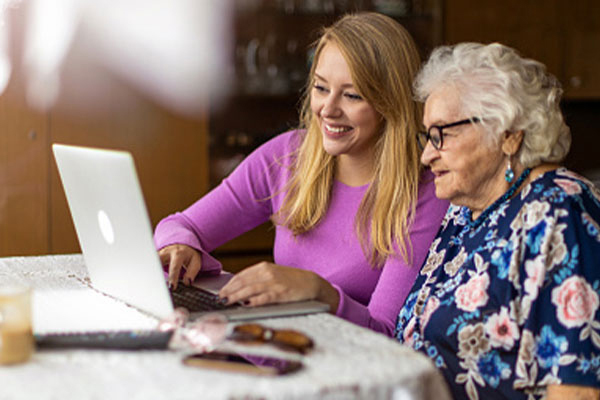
{"type": "Point", "coordinates": [509, 193]}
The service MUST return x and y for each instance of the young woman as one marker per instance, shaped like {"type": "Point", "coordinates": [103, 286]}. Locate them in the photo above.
{"type": "Point", "coordinates": [353, 211]}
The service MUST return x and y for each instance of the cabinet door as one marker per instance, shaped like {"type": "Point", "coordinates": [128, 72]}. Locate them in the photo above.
{"type": "Point", "coordinates": [564, 35]}
{"type": "Point", "coordinates": [534, 29]}
{"type": "Point", "coordinates": [170, 153]}
{"type": "Point", "coordinates": [23, 173]}
{"type": "Point", "coordinates": [582, 49]}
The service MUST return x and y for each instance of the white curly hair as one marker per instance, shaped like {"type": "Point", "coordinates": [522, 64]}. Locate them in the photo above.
{"type": "Point", "coordinates": [506, 92]}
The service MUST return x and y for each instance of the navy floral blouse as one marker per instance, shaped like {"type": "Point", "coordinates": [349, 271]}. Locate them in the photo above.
{"type": "Point", "coordinates": [508, 303]}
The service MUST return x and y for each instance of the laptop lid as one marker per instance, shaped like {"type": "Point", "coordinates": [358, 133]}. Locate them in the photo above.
{"type": "Point", "coordinates": [115, 235]}
{"type": "Point", "coordinates": [112, 225]}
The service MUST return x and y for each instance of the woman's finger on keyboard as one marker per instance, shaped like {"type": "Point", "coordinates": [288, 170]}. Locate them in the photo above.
{"type": "Point", "coordinates": [180, 258]}
{"type": "Point", "coordinates": [175, 265]}
{"type": "Point", "coordinates": [176, 255]}
{"type": "Point", "coordinates": [193, 267]}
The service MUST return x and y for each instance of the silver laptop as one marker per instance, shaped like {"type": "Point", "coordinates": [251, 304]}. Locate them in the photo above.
{"type": "Point", "coordinates": [115, 235]}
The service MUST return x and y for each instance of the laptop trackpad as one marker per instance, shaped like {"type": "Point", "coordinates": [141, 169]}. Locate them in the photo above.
{"type": "Point", "coordinates": [212, 283]}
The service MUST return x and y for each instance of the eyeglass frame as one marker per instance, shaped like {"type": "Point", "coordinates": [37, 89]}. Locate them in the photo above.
{"type": "Point", "coordinates": [427, 134]}
{"type": "Point", "coordinates": [286, 339]}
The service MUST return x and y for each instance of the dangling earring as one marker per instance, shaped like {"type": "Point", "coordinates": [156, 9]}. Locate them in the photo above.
{"type": "Point", "coordinates": [509, 174]}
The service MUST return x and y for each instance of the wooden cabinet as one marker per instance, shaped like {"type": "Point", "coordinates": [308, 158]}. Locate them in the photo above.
{"type": "Point", "coordinates": [24, 166]}
{"type": "Point", "coordinates": [170, 151]}
{"type": "Point", "coordinates": [581, 48]}
{"type": "Point", "coordinates": [564, 35]}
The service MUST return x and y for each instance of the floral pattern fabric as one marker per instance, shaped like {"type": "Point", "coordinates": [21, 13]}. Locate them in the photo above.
{"type": "Point", "coordinates": [507, 305]}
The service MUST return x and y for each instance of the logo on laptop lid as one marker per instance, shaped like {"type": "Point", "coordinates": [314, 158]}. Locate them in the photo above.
{"type": "Point", "coordinates": [106, 227]}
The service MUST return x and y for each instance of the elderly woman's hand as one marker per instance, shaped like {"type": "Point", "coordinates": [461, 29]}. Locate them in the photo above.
{"type": "Point", "coordinates": [267, 283]}
{"type": "Point", "coordinates": [560, 392]}
{"type": "Point", "coordinates": [178, 257]}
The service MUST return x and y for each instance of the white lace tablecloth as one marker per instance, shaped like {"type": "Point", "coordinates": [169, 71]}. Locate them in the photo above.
{"type": "Point", "coordinates": [348, 362]}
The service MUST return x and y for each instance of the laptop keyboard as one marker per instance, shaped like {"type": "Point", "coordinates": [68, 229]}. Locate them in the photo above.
{"type": "Point", "coordinates": [195, 299]}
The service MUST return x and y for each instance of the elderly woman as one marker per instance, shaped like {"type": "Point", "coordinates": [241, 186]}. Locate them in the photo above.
{"type": "Point", "coordinates": [506, 303]}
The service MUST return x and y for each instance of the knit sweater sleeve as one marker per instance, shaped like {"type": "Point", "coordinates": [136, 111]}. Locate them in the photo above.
{"type": "Point", "coordinates": [241, 202]}
{"type": "Point", "coordinates": [397, 276]}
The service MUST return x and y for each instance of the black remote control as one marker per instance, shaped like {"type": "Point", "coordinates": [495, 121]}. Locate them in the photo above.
{"type": "Point", "coordinates": [124, 340]}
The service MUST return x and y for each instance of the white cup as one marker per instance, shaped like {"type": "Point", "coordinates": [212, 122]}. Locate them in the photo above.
{"type": "Point", "coordinates": [16, 337]}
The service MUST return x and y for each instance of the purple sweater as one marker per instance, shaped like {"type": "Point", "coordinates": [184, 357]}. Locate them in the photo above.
{"type": "Point", "coordinates": [253, 193]}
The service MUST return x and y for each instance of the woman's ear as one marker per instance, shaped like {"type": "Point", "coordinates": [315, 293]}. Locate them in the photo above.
{"type": "Point", "coordinates": [511, 142]}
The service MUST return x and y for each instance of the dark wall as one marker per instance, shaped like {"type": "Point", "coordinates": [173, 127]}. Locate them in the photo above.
{"type": "Point", "coordinates": [583, 117]}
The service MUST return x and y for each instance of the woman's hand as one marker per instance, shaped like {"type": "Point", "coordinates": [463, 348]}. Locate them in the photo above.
{"type": "Point", "coordinates": [181, 256]}
{"type": "Point", "coordinates": [561, 392]}
{"type": "Point", "coordinates": [267, 283]}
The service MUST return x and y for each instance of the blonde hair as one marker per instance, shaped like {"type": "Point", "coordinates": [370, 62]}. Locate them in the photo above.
{"type": "Point", "coordinates": [507, 92]}
{"type": "Point", "coordinates": [383, 60]}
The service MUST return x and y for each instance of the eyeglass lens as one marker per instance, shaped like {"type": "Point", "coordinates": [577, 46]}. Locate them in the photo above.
{"type": "Point", "coordinates": [434, 135]}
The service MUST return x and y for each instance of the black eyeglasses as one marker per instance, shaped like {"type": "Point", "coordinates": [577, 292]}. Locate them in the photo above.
{"type": "Point", "coordinates": [435, 133]}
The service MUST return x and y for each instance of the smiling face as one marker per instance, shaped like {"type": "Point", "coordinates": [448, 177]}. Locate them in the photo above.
{"type": "Point", "coordinates": [468, 172]}
{"type": "Point", "coordinates": [348, 123]}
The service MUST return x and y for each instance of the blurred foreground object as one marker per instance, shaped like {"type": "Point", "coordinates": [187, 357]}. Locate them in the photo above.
{"type": "Point", "coordinates": [174, 51]}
